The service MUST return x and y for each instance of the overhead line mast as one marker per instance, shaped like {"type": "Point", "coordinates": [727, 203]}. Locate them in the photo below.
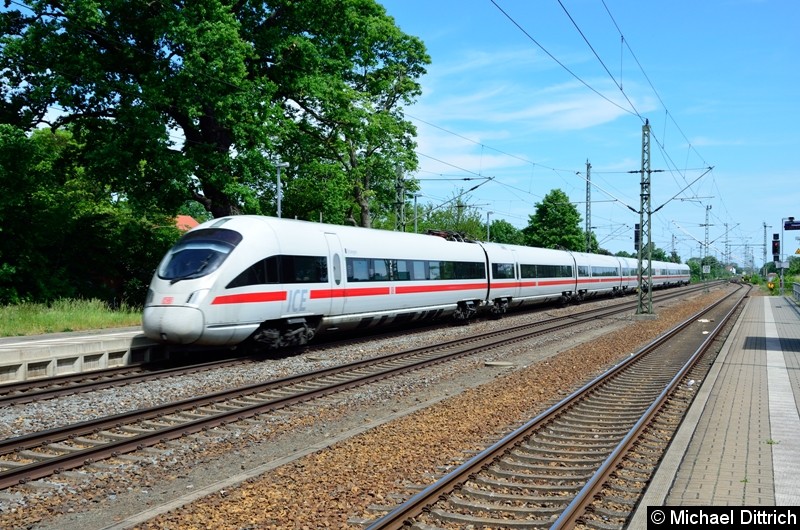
{"type": "Point", "coordinates": [645, 251]}
{"type": "Point", "coordinates": [589, 207]}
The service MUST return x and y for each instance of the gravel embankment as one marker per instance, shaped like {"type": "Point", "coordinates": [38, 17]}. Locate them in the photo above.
{"type": "Point", "coordinates": [349, 454]}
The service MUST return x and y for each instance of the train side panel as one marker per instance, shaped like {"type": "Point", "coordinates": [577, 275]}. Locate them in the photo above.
{"type": "Point", "coordinates": [281, 281]}
{"type": "Point", "coordinates": [541, 276]}
{"type": "Point", "coordinates": [285, 279]}
{"type": "Point", "coordinates": [388, 274]}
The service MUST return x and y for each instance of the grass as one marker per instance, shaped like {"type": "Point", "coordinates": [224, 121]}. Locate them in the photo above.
{"type": "Point", "coordinates": [64, 315]}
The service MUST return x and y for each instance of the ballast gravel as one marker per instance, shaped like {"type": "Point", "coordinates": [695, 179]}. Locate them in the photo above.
{"type": "Point", "coordinates": [337, 463]}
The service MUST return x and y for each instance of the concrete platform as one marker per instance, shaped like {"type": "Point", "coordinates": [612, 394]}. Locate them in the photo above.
{"type": "Point", "coordinates": [23, 358]}
{"type": "Point", "coordinates": [740, 442]}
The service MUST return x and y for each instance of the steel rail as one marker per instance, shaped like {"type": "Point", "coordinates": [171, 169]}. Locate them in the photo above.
{"type": "Point", "coordinates": [429, 356]}
{"type": "Point", "coordinates": [422, 501]}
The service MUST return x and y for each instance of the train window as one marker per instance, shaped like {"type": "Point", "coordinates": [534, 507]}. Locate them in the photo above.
{"type": "Point", "coordinates": [403, 270]}
{"type": "Point", "coordinates": [283, 269]}
{"type": "Point", "coordinates": [583, 270]}
{"type": "Point", "coordinates": [546, 271]}
{"type": "Point", "coordinates": [337, 269]}
{"type": "Point", "coordinates": [374, 269]}
{"type": "Point", "coordinates": [502, 270]}
{"type": "Point", "coordinates": [605, 271]}
{"type": "Point", "coordinates": [419, 270]}
{"type": "Point", "coordinates": [198, 253]}
{"type": "Point", "coordinates": [262, 272]}
{"type": "Point", "coordinates": [527, 271]}
{"type": "Point", "coordinates": [379, 270]}
{"type": "Point", "coordinates": [472, 271]}
{"type": "Point", "coordinates": [462, 270]}
{"type": "Point", "coordinates": [357, 270]}
{"type": "Point", "coordinates": [434, 270]}
{"type": "Point", "coordinates": [303, 269]}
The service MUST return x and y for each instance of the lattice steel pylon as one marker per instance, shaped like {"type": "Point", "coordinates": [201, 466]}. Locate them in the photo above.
{"type": "Point", "coordinates": [645, 270]}
{"type": "Point", "coordinates": [589, 207]}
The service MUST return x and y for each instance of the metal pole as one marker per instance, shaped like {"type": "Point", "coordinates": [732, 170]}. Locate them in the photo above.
{"type": "Point", "coordinates": [487, 226]}
{"type": "Point", "coordinates": [279, 165]}
{"type": "Point", "coordinates": [415, 212]}
{"type": "Point", "coordinates": [279, 191]}
{"type": "Point", "coordinates": [780, 255]}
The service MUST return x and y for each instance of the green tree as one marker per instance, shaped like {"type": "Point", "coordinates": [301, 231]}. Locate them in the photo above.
{"type": "Point", "coordinates": [454, 215]}
{"type": "Point", "coordinates": [502, 231]}
{"type": "Point", "coordinates": [197, 100]}
{"type": "Point", "coordinates": [62, 235]}
{"type": "Point", "coordinates": [556, 224]}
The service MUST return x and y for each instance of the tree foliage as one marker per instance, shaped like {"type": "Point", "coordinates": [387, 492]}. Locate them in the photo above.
{"type": "Point", "coordinates": [63, 236]}
{"type": "Point", "coordinates": [501, 231]}
{"type": "Point", "coordinates": [454, 215]}
{"type": "Point", "coordinates": [555, 224]}
{"type": "Point", "coordinates": [197, 101]}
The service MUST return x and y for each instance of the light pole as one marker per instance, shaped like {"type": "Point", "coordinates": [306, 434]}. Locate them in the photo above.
{"type": "Point", "coordinates": [415, 211]}
{"type": "Point", "coordinates": [487, 225]}
{"type": "Point", "coordinates": [790, 220]}
{"type": "Point", "coordinates": [279, 165]}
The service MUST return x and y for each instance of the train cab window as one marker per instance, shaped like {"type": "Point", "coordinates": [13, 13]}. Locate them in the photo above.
{"type": "Point", "coordinates": [502, 271]}
{"type": "Point", "coordinates": [198, 253]}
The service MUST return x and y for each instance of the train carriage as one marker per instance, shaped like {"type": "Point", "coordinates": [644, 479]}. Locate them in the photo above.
{"type": "Point", "coordinates": [540, 275]}
{"type": "Point", "coordinates": [284, 280]}
{"type": "Point", "coordinates": [281, 281]}
{"type": "Point", "coordinates": [597, 275]}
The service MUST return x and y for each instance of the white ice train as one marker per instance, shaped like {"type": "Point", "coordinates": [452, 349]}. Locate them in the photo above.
{"type": "Point", "coordinates": [280, 282]}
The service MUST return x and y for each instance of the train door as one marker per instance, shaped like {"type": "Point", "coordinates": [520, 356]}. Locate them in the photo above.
{"type": "Point", "coordinates": [336, 274]}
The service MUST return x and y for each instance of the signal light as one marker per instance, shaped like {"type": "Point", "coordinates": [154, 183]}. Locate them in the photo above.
{"type": "Point", "coordinates": [637, 237]}
{"type": "Point", "coordinates": [776, 247]}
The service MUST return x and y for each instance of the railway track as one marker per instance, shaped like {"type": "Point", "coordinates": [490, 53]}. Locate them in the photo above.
{"type": "Point", "coordinates": [64, 385]}
{"type": "Point", "coordinates": [584, 462]}
{"type": "Point", "coordinates": [67, 384]}
{"type": "Point", "coordinates": [38, 455]}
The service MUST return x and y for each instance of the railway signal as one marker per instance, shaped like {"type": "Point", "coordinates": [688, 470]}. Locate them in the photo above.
{"type": "Point", "coordinates": [776, 247]}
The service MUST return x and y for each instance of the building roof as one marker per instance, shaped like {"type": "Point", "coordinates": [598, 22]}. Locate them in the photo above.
{"type": "Point", "coordinates": [185, 222]}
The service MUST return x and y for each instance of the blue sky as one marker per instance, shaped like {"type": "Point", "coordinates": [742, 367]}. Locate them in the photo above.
{"type": "Point", "coordinates": [527, 91]}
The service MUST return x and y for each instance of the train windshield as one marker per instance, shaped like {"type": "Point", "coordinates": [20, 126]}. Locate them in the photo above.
{"type": "Point", "coordinates": [198, 253]}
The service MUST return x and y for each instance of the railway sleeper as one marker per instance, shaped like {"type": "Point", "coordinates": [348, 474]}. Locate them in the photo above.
{"type": "Point", "coordinates": [510, 481]}
{"type": "Point", "coordinates": [520, 506]}
{"type": "Point", "coordinates": [538, 500]}
{"type": "Point", "coordinates": [480, 522]}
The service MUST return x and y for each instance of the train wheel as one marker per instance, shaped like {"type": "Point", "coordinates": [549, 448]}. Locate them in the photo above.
{"type": "Point", "coordinates": [464, 311]}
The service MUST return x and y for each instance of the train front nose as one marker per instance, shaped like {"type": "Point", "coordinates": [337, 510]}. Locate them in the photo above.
{"type": "Point", "coordinates": [173, 324]}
